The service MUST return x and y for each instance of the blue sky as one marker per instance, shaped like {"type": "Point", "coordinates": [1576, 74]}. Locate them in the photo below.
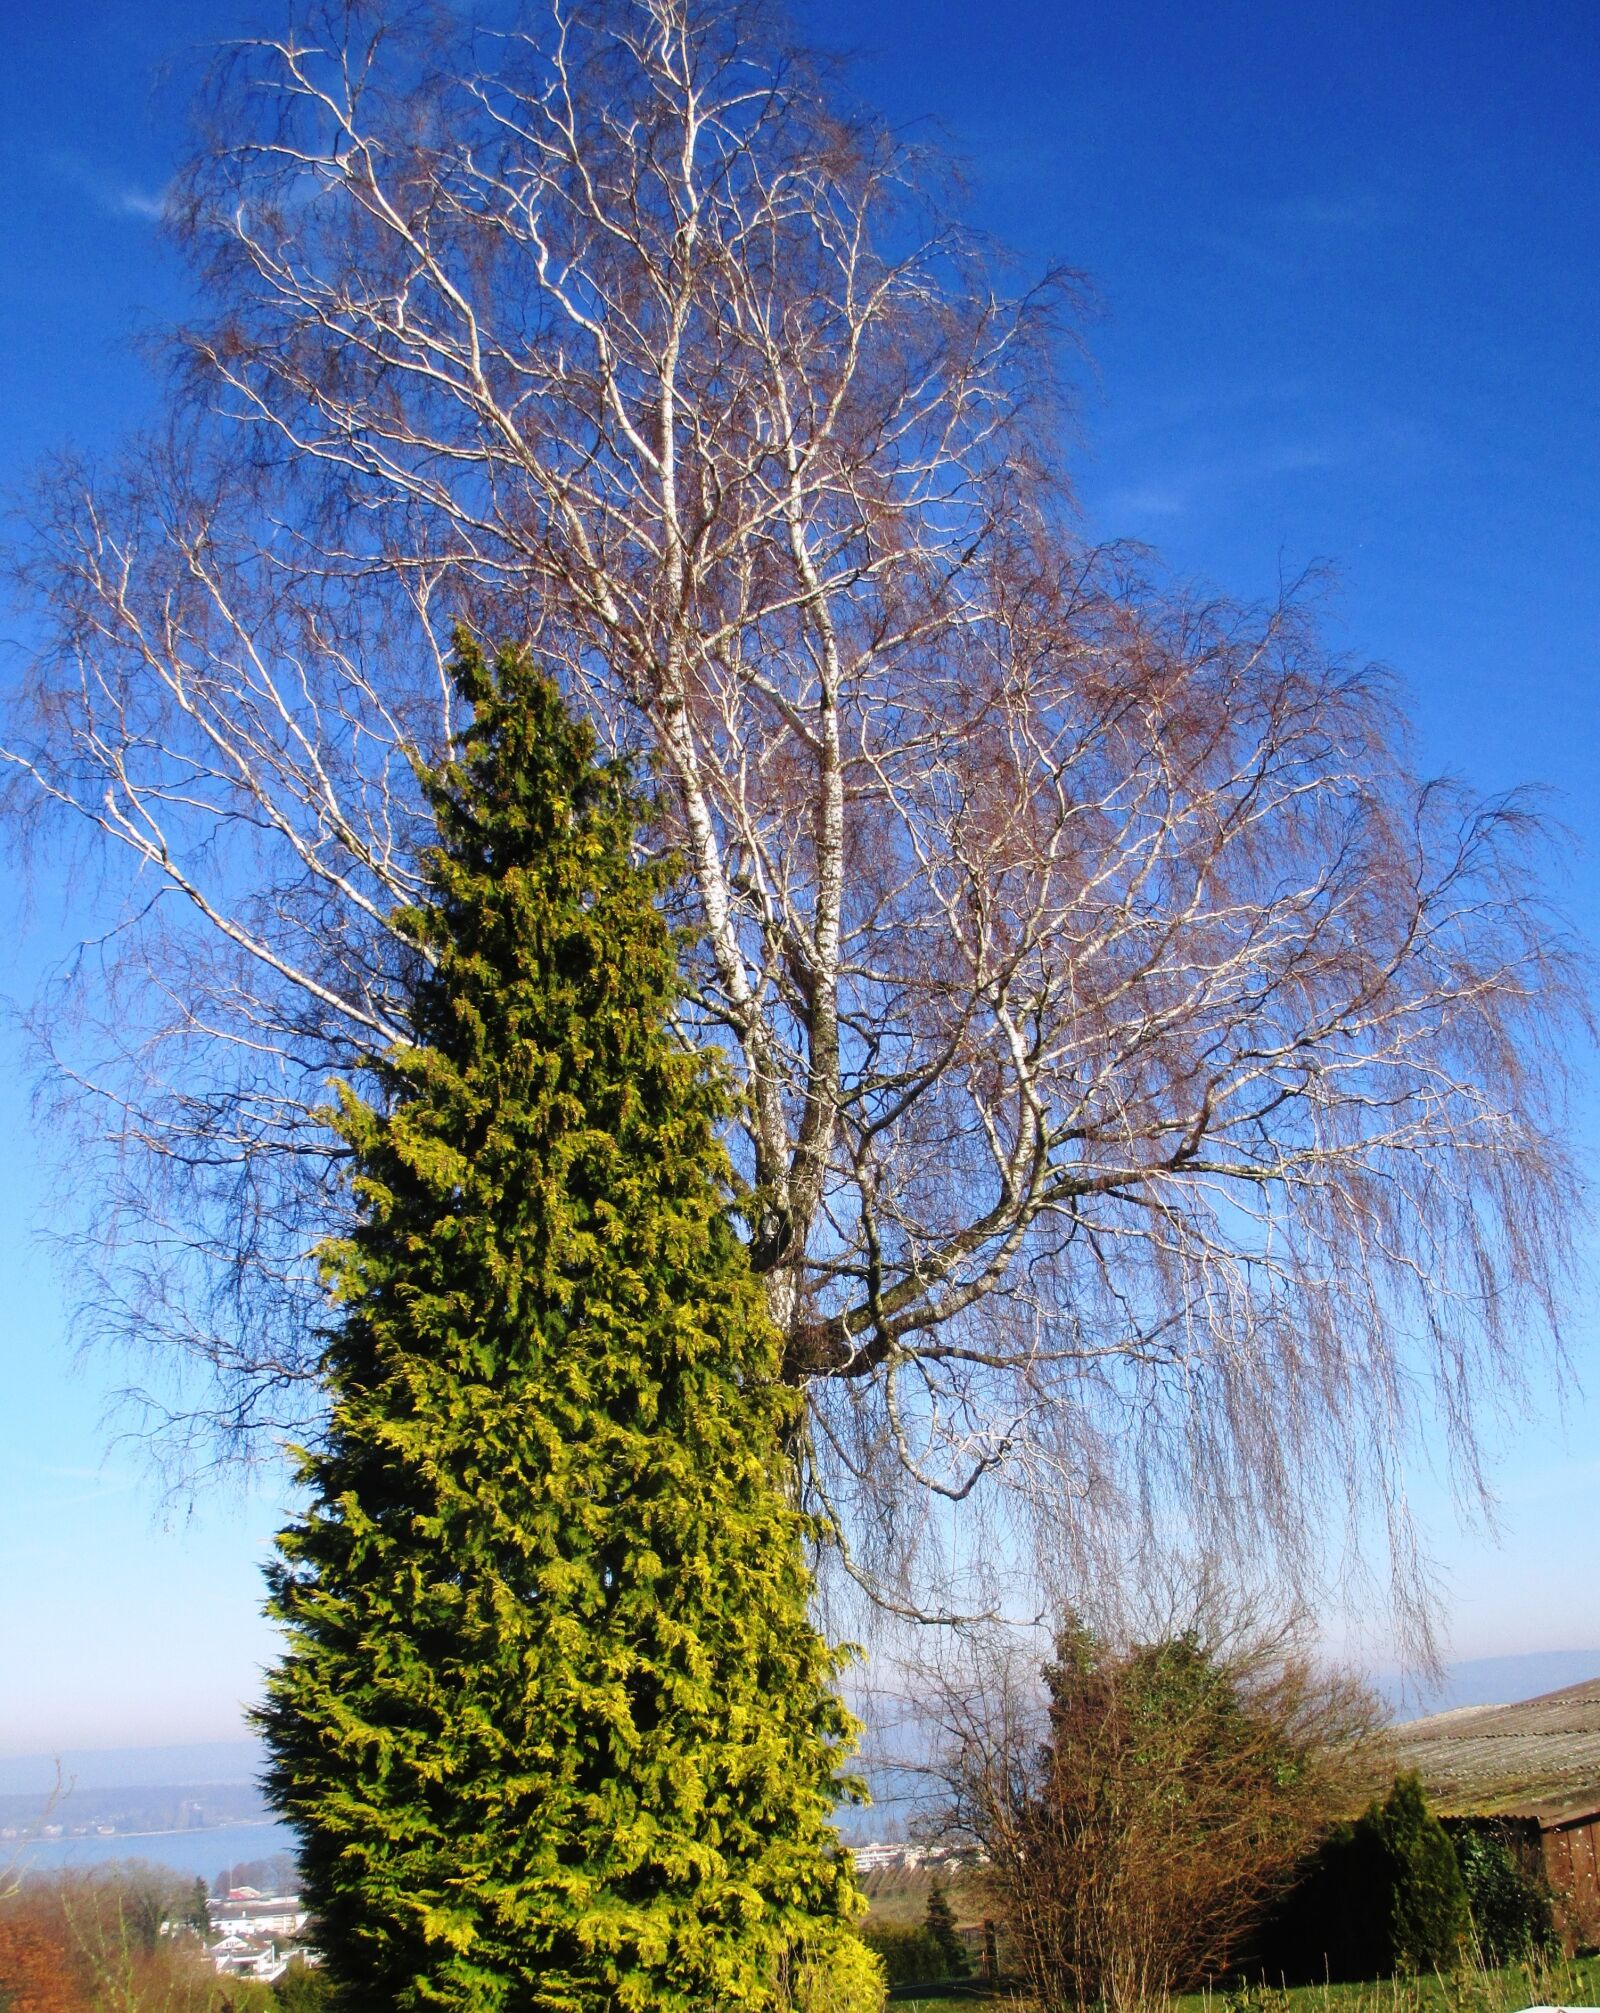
{"type": "Point", "coordinates": [1347, 262]}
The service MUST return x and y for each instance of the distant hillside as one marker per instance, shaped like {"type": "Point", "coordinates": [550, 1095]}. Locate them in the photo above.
{"type": "Point", "coordinates": [139, 1809]}
{"type": "Point", "coordinates": [133, 1767]}
{"type": "Point", "coordinates": [900, 1893]}
{"type": "Point", "coordinates": [1493, 1681]}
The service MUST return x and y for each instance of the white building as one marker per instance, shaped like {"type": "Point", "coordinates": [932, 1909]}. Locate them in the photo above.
{"type": "Point", "coordinates": [246, 1913]}
{"type": "Point", "coordinates": [248, 1957]}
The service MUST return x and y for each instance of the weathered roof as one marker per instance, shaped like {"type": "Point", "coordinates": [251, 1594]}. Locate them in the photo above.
{"type": "Point", "coordinates": [1538, 1758]}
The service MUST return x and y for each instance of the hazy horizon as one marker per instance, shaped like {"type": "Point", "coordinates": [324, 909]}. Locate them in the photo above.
{"type": "Point", "coordinates": [1472, 1681]}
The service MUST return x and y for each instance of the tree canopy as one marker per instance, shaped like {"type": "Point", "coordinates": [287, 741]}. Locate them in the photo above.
{"type": "Point", "coordinates": [1150, 1087]}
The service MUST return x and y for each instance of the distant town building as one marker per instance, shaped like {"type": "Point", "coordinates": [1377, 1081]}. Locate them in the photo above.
{"type": "Point", "coordinates": [902, 1858]}
{"type": "Point", "coordinates": [249, 1957]}
{"type": "Point", "coordinates": [257, 1935]}
{"type": "Point", "coordinates": [245, 1913]}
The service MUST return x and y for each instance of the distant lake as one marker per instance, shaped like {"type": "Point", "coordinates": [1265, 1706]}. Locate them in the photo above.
{"type": "Point", "coordinates": [202, 1851]}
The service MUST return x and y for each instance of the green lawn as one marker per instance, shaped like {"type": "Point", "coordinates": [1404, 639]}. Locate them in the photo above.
{"type": "Point", "coordinates": [1561, 1983]}
{"type": "Point", "coordinates": [912, 1999]}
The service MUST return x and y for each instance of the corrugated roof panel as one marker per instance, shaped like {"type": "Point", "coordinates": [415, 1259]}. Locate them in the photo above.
{"type": "Point", "coordinates": [1537, 1758]}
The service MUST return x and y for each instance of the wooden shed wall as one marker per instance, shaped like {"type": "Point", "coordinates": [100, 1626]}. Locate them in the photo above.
{"type": "Point", "coordinates": [1572, 1866]}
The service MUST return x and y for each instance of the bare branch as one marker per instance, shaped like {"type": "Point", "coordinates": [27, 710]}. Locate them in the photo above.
{"type": "Point", "coordinates": [1146, 1078]}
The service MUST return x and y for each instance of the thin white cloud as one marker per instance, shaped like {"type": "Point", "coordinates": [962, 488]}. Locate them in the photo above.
{"type": "Point", "coordinates": [101, 1482]}
{"type": "Point", "coordinates": [135, 203]}
{"type": "Point", "coordinates": [1205, 479]}
{"type": "Point", "coordinates": [1269, 235]}
{"type": "Point", "coordinates": [1152, 499]}
{"type": "Point", "coordinates": [1290, 457]}
{"type": "Point", "coordinates": [109, 193]}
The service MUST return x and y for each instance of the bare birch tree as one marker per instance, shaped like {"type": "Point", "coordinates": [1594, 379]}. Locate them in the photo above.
{"type": "Point", "coordinates": [1151, 1090]}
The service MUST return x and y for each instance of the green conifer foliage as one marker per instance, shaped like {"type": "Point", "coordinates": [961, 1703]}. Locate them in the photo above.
{"type": "Point", "coordinates": [1428, 1918]}
{"type": "Point", "coordinates": [552, 1724]}
{"type": "Point", "coordinates": [949, 1945]}
{"type": "Point", "coordinates": [1379, 1896]}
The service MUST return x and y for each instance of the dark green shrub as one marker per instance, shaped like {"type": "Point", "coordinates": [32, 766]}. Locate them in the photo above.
{"type": "Point", "coordinates": [1428, 1919]}
{"type": "Point", "coordinates": [1330, 1922]}
{"type": "Point", "coordinates": [303, 1988]}
{"type": "Point", "coordinates": [1379, 1896]}
{"type": "Point", "coordinates": [910, 1955]}
{"type": "Point", "coordinates": [1512, 1915]}
{"type": "Point", "coordinates": [940, 1925]}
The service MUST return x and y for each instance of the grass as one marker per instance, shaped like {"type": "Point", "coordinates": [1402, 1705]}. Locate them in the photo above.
{"type": "Point", "coordinates": [1557, 1982]}
{"type": "Point", "coordinates": [942, 1999]}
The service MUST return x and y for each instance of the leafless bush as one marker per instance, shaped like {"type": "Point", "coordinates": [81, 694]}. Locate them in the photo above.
{"type": "Point", "coordinates": [109, 1939]}
{"type": "Point", "coordinates": [1140, 1806]}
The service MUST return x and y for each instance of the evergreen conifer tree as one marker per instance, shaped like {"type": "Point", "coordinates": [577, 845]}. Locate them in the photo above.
{"type": "Point", "coordinates": [939, 1923]}
{"type": "Point", "coordinates": [553, 1725]}
{"type": "Point", "coordinates": [1428, 1917]}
